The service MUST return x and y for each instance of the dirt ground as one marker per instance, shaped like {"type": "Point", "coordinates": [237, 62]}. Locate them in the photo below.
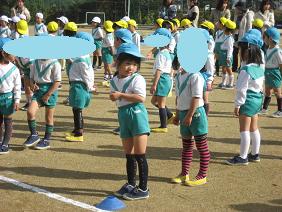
{"type": "Point", "coordinates": [92, 170]}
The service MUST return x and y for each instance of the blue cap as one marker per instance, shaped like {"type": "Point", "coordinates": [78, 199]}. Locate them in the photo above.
{"type": "Point", "coordinates": [164, 32]}
{"type": "Point", "coordinates": [124, 34]}
{"type": "Point", "coordinates": [252, 38]}
{"type": "Point", "coordinates": [274, 34]}
{"type": "Point", "coordinates": [129, 48]}
{"type": "Point", "coordinates": [255, 32]}
{"type": "Point", "coordinates": [3, 41]}
{"type": "Point", "coordinates": [85, 36]}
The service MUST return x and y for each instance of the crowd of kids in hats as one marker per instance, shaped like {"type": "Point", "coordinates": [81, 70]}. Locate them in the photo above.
{"type": "Point", "coordinates": [118, 47]}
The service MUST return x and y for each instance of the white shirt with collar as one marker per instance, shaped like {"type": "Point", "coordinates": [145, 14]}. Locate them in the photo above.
{"type": "Point", "coordinates": [276, 59]}
{"type": "Point", "coordinates": [228, 45]}
{"type": "Point", "coordinates": [163, 62]}
{"type": "Point", "coordinates": [5, 32]}
{"type": "Point", "coordinates": [40, 29]}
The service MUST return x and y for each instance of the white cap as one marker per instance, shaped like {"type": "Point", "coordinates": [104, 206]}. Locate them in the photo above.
{"type": "Point", "coordinates": [39, 15]}
{"type": "Point", "coordinates": [15, 19]}
{"type": "Point", "coordinates": [22, 16]}
{"type": "Point", "coordinates": [63, 19]}
{"type": "Point", "coordinates": [97, 20]}
{"type": "Point", "coordinates": [125, 18]}
{"type": "Point", "coordinates": [4, 18]}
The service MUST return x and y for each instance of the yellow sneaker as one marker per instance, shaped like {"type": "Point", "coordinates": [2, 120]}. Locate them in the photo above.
{"type": "Point", "coordinates": [105, 84]}
{"type": "Point", "coordinates": [74, 138]}
{"type": "Point", "coordinates": [170, 120]}
{"type": "Point", "coordinates": [195, 182]}
{"type": "Point", "coordinates": [159, 130]}
{"type": "Point", "coordinates": [180, 179]}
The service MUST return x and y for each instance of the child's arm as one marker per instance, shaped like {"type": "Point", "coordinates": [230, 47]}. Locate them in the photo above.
{"type": "Point", "coordinates": [151, 52]}
{"type": "Point", "coordinates": [17, 90]}
{"type": "Point", "coordinates": [155, 81]}
{"type": "Point", "coordinates": [189, 116]}
{"type": "Point", "coordinates": [53, 88]}
{"type": "Point", "coordinates": [112, 49]}
{"type": "Point", "coordinates": [230, 44]}
{"type": "Point", "coordinates": [241, 94]}
{"type": "Point", "coordinates": [135, 98]}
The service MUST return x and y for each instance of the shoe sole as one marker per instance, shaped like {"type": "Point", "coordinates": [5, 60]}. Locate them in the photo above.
{"type": "Point", "coordinates": [30, 145]}
{"type": "Point", "coordinates": [73, 140]}
{"type": "Point", "coordinates": [187, 184]}
{"type": "Point", "coordinates": [132, 199]}
{"type": "Point", "coordinates": [116, 133]}
{"type": "Point", "coordinates": [42, 148]}
{"type": "Point", "coordinates": [254, 161]}
{"type": "Point", "coordinates": [236, 164]}
{"type": "Point", "coordinates": [4, 153]}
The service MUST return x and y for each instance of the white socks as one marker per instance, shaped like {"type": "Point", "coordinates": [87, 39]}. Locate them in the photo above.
{"type": "Point", "coordinates": [255, 136]}
{"type": "Point", "coordinates": [245, 144]}
{"type": "Point", "coordinates": [224, 79]}
{"type": "Point", "coordinates": [231, 80]}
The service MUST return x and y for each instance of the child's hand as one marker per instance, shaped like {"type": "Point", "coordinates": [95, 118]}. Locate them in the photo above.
{"type": "Point", "coordinates": [228, 62]}
{"type": "Point", "coordinates": [153, 89]}
{"type": "Point", "coordinates": [236, 111]}
{"type": "Point", "coordinates": [45, 98]}
{"type": "Point", "coordinates": [35, 87]}
{"type": "Point", "coordinates": [16, 106]}
{"type": "Point", "coordinates": [187, 120]}
{"type": "Point", "coordinates": [176, 121]}
{"type": "Point", "coordinates": [115, 96]}
{"type": "Point", "coordinates": [149, 55]}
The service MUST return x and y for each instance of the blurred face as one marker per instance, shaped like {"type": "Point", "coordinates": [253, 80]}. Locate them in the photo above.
{"type": "Point", "coordinates": [8, 57]}
{"type": "Point", "coordinates": [266, 39]}
{"type": "Point", "coordinates": [38, 20]}
{"type": "Point", "coordinates": [94, 24]}
{"type": "Point", "coordinates": [131, 28]}
{"type": "Point", "coordinates": [266, 6]}
{"type": "Point", "coordinates": [117, 42]}
{"type": "Point", "coordinates": [20, 4]}
{"type": "Point", "coordinates": [224, 6]}
{"type": "Point", "coordinates": [186, 26]}
{"type": "Point", "coordinates": [168, 2]}
{"type": "Point", "coordinates": [127, 68]}
{"type": "Point", "coordinates": [192, 2]}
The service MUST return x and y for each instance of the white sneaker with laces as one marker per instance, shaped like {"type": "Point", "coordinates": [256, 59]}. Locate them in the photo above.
{"type": "Point", "coordinates": [277, 114]}
{"type": "Point", "coordinates": [263, 112]}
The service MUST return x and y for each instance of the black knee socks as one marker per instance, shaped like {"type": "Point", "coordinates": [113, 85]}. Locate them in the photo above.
{"type": "Point", "coordinates": [78, 122]}
{"type": "Point", "coordinates": [163, 117]}
{"type": "Point", "coordinates": [94, 61]}
{"type": "Point", "coordinates": [131, 167]}
{"type": "Point", "coordinates": [99, 60]}
{"type": "Point", "coordinates": [266, 102]}
{"type": "Point", "coordinates": [1, 127]}
{"type": "Point", "coordinates": [168, 112]}
{"type": "Point", "coordinates": [279, 104]}
{"type": "Point", "coordinates": [8, 122]}
{"type": "Point", "coordinates": [143, 171]}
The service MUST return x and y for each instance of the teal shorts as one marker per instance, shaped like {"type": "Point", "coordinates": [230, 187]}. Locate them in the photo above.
{"type": "Point", "coordinates": [164, 85]}
{"type": "Point", "coordinates": [7, 103]}
{"type": "Point", "coordinates": [43, 89]}
{"type": "Point", "coordinates": [133, 120]}
{"type": "Point", "coordinates": [107, 57]}
{"type": "Point", "coordinates": [223, 58]}
{"type": "Point", "coordinates": [253, 104]}
{"type": "Point", "coordinates": [79, 95]}
{"type": "Point", "coordinates": [273, 78]}
{"type": "Point", "coordinates": [98, 44]}
{"type": "Point", "coordinates": [217, 48]}
{"type": "Point", "coordinates": [199, 125]}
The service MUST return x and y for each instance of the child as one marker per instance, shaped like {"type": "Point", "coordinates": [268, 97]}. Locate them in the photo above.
{"type": "Point", "coordinates": [62, 21]}
{"type": "Point", "coordinates": [39, 27]}
{"type": "Point", "coordinates": [5, 32]}
{"type": "Point", "coordinates": [225, 56]}
{"type": "Point", "coordinates": [249, 98]}
{"type": "Point", "coordinates": [175, 32]}
{"type": "Point", "coordinates": [158, 23]}
{"type": "Point", "coordinates": [162, 83]}
{"type": "Point", "coordinates": [136, 38]}
{"type": "Point", "coordinates": [81, 78]}
{"type": "Point", "coordinates": [10, 95]}
{"type": "Point", "coordinates": [45, 78]}
{"type": "Point", "coordinates": [98, 36]}
{"type": "Point", "coordinates": [22, 29]}
{"type": "Point", "coordinates": [273, 67]}
{"type": "Point", "coordinates": [191, 116]}
{"type": "Point", "coordinates": [121, 24]}
{"type": "Point", "coordinates": [13, 27]}
{"type": "Point", "coordinates": [52, 28]}
{"type": "Point", "coordinates": [108, 50]}
{"type": "Point", "coordinates": [186, 23]}
{"type": "Point", "coordinates": [258, 24]}
{"type": "Point", "coordinates": [128, 89]}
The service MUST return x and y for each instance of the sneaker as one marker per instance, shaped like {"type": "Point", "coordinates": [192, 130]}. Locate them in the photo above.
{"type": "Point", "coordinates": [237, 161]}
{"type": "Point", "coordinates": [25, 107]}
{"type": "Point", "coordinates": [136, 194]}
{"type": "Point", "coordinates": [4, 149]}
{"type": "Point", "coordinates": [66, 101]}
{"type": "Point", "coordinates": [99, 68]}
{"type": "Point", "coordinates": [180, 179]}
{"type": "Point", "coordinates": [277, 114]}
{"type": "Point", "coordinates": [105, 83]}
{"type": "Point", "coordinates": [31, 140]}
{"type": "Point", "coordinates": [43, 144]}
{"type": "Point", "coordinates": [263, 112]}
{"type": "Point", "coordinates": [193, 183]}
{"type": "Point", "coordinates": [116, 131]}
{"type": "Point", "coordinates": [73, 138]}
{"type": "Point", "coordinates": [228, 87]}
{"type": "Point", "coordinates": [170, 120]}
{"type": "Point", "coordinates": [68, 134]}
{"type": "Point", "coordinates": [253, 158]}
{"type": "Point", "coordinates": [159, 130]}
{"type": "Point", "coordinates": [126, 188]}
{"type": "Point", "coordinates": [220, 85]}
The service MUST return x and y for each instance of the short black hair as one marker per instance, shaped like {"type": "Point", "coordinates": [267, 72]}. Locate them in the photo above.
{"type": "Point", "coordinates": [124, 56]}
{"type": "Point", "coordinates": [254, 52]}
{"type": "Point", "coordinates": [69, 33]}
{"type": "Point", "coordinates": [167, 25]}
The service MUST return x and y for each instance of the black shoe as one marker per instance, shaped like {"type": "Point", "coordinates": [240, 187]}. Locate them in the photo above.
{"type": "Point", "coordinates": [4, 149]}
{"type": "Point", "coordinates": [254, 158]}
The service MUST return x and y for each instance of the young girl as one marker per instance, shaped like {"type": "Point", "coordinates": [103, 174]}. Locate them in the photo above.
{"type": "Point", "coordinates": [10, 94]}
{"type": "Point", "coordinates": [249, 99]}
{"type": "Point", "coordinates": [225, 56]}
{"type": "Point", "coordinates": [191, 116]}
{"type": "Point", "coordinates": [128, 89]}
{"type": "Point", "coordinates": [45, 78]}
{"type": "Point", "coordinates": [39, 27]}
{"type": "Point", "coordinates": [108, 50]}
{"type": "Point", "coordinates": [52, 28]}
{"type": "Point", "coordinates": [13, 27]}
{"type": "Point", "coordinates": [81, 78]}
{"type": "Point", "coordinates": [273, 67]}
{"type": "Point", "coordinates": [162, 83]}
{"type": "Point", "coordinates": [98, 36]}
{"type": "Point", "coordinates": [186, 23]}
{"type": "Point", "coordinates": [62, 21]}
{"type": "Point", "coordinates": [5, 31]}
{"type": "Point", "coordinates": [136, 38]}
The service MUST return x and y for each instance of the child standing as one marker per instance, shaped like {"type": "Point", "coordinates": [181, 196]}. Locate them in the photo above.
{"type": "Point", "coordinates": [108, 50]}
{"type": "Point", "coordinates": [13, 27]}
{"type": "Point", "coordinates": [249, 99]}
{"type": "Point", "coordinates": [191, 116]}
{"type": "Point", "coordinates": [186, 23]}
{"type": "Point", "coordinates": [98, 36]}
{"type": "Point", "coordinates": [52, 28]}
{"type": "Point", "coordinates": [62, 21]}
{"type": "Point", "coordinates": [136, 38]}
{"type": "Point", "coordinates": [5, 31]}
{"type": "Point", "coordinates": [128, 89]}
{"type": "Point", "coordinates": [10, 94]}
{"type": "Point", "coordinates": [45, 78]}
{"type": "Point", "coordinates": [273, 67]}
{"type": "Point", "coordinates": [39, 27]}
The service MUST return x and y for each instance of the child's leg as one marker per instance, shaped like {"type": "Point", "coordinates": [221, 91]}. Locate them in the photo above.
{"type": "Point", "coordinates": [28, 92]}
{"type": "Point", "coordinates": [8, 122]}
{"type": "Point", "coordinates": [202, 147]}
{"type": "Point", "coordinates": [187, 155]}
{"type": "Point", "coordinates": [255, 135]}
{"type": "Point", "coordinates": [131, 165]}
{"type": "Point", "coordinates": [224, 76]}
{"type": "Point", "coordinates": [78, 122]}
{"type": "Point", "coordinates": [94, 59]}
{"type": "Point", "coordinates": [277, 92]}
{"type": "Point", "coordinates": [31, 113]}
{"type": "Point", "coordinates": [155, 103]}
{"type": "Point", "coordinates": [99, 54]}
{"type": "Point", "coordinates": [162, 111]}
{"type": "Point", "coordinates": [49, 119]}
{"type": "Point", "coordinates": [107, 71]}
{"type": "Point", "coordinates": [230, 75]}
{"type": "Point", "coordinates": [245, 123]}
{"type": "Point", "coordinates": [206, 102]}
{"type": "Point", "coordinates": [1, 127]}
{"type": "Point", "coordinates": [267, 98]}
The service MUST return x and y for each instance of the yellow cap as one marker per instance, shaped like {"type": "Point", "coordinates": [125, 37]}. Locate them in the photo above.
{"type": "Point", "coordinates": [177, 22]}
{"type": "Point", "coordinates": [230, 24]}
{"type": "Point", "coordinates": [122, 24]}
{"type": "Point", "coordinates": [208, 25]}
{"type": "Point", "coordinates": [160, 21]}
{"type": "Point", "coordinates": [52, 26]}
{"type": "Point", "coordinates": [71, 26]}
{"type": "Point", "coordinates": [258, 23]}
{"type": "Point", "coordinates": [22, 27]}
{"type": "Point", "coordinates": [186, 22]}
{"type": "Point", "coordinates": [108, 26]}
{"type": "Point", "coordinates": [223, 20]}
{"type": "Point", "coordinates": [132, 22]}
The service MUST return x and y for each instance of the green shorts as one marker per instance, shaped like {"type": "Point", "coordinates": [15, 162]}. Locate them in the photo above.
{"type": "Point", "coordinates": [43, 89]}
{"type": "Point", "coordinates": [79, 95]}
{"type": "Point", "coordinates": [7, 103]}
{"type": "Point", "coordinates": [107, 57]}
{"type": "Point", "coordinates": [273, 78]}
{"type": "Point", "coordinates": [98, 44]}
{"type": "Point", "coordinates": [164, 85]}
{"type": "Point", "coordinates": [133, 120]}
{"type": "Point", "coordinates": [199, 125]}
{"type": "Point", "coordinates": [223, 59]}
{"type": "Point", "coordinates": [252, 104]}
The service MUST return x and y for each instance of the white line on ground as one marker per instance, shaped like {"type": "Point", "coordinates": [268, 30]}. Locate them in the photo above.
{"type": "Point", "coordinates": [49, 194]}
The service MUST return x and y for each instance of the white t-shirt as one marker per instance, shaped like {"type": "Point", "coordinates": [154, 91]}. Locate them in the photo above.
{"type": "Point", "coordinates": [5, 32]}
{"type": "Point", "coordinates": [137, 86]}
{"type": "Point", "coordinates": [172, 45]}
{"type": "Point", "coordinates": [276, 59]}
{"type": "Point", "coordinates": [194, 88]}
{"type": "Point", "coordinates": [97, 33]}
{"type": "Point", "coordinates": [163, 62]}
{"type": "Point", "coordinates": [228, 45]}
{"type": "Point", "coordinates": [192, 10]}
{"type": "Point", "coordinates": [40, 29]}
{"type": "Point", "coordinates": [108, 40]}
{"type": "Point", "coordinates": [176, 36]}
{"type": "Point", "coordinates": [136, 39]}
